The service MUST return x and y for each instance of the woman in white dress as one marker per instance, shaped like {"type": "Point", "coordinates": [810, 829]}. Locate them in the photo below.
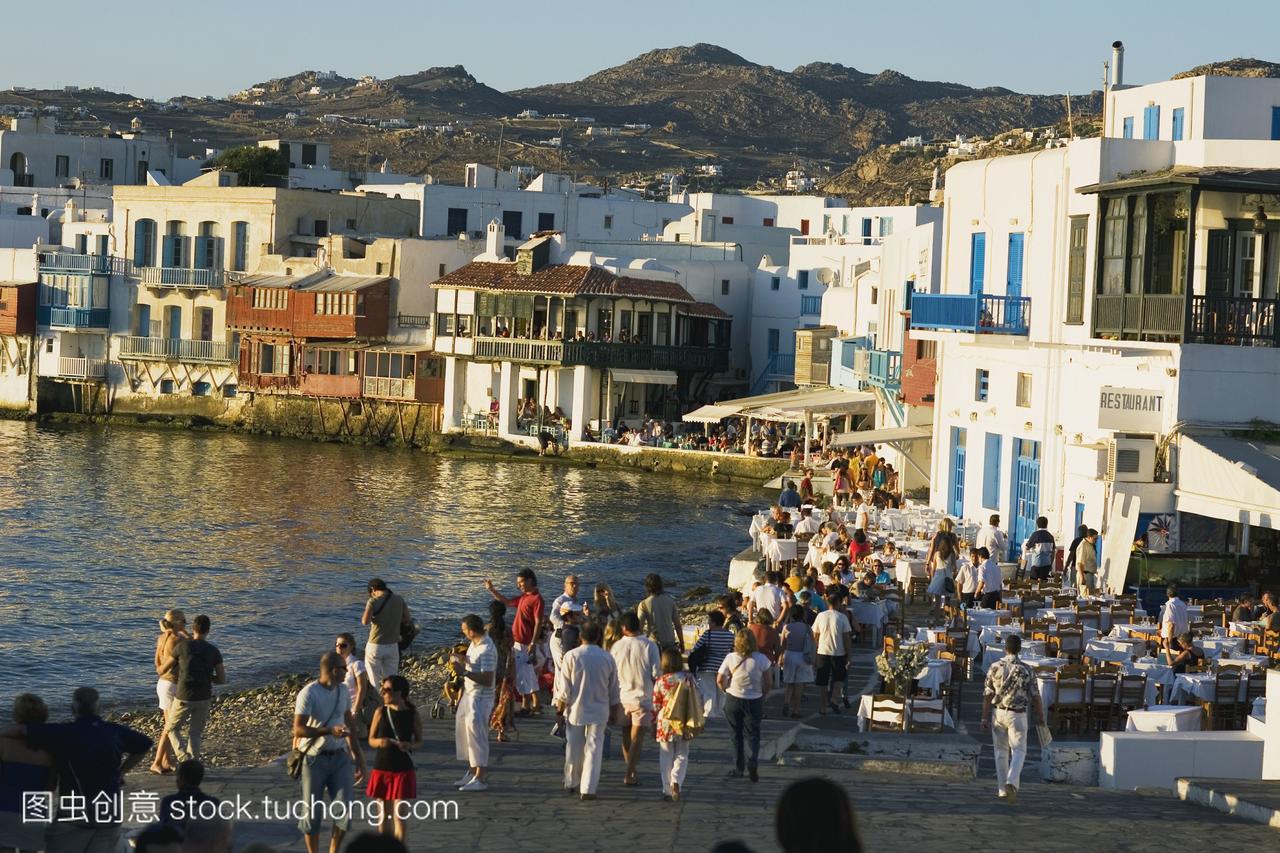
{"type": "Point", "coordinates": [942, 568]}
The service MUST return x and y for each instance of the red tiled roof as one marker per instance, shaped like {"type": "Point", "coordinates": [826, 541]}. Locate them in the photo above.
{"type": "Point", "coordinates": [559, 279]}
{"type": "Point", "coordinates": [707, 310]}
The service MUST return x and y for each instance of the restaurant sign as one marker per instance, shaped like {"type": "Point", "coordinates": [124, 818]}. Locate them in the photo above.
{"type": "Point", "coordinates": [1132, 409]}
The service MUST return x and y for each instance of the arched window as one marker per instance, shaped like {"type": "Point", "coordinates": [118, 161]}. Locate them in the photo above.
{"type": "Point", "coordinates": [207, 256]}
{"type": "Point", "coordinates": [144, 243]}
{"type": "Point", "coordinates": [175, 244]}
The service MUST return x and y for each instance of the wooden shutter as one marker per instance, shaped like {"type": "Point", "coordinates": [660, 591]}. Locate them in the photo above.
{"type": "Point", "coordinates": [1076, 268]}
{"type": "Point", "coordinates": [977, 263]}
{"type": "Point", "coordinates": [1221, 261]}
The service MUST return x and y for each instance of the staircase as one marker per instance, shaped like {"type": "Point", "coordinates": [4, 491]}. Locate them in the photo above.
{"type": "Point", "coordinates": [781, 366]}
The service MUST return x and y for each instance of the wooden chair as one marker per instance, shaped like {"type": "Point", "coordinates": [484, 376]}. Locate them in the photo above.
{"type": "Point", "coordinates": [895, 624]}
{"type": "Point", "coordinates": [1121, 615]}
{"type": "Point", "coordinates": [917, 586]}
{"type": "Point", "coordinates": [1133, 692]}
{"type": "Point", "coordinates": [1102, 699]}
{"type": "Point", "coordinates": [958, 645]}
{"type": "Point", "coordinates": [1214, 614]}
{"type": "Point", "coordinates": [1202, 629]}
{"type": "Point", "coordinates": [887, 714]}
{"type": "Point", "coordinates": [1255, 689]}
{"type": "Point", "coordinates": [1224, 710]}
{"type": "Point", "coordinates": [1070, 708]}
{"type": "Point", "coordinates": [1060, 601]}
{"type": "Point", "coordinates": [1089, 617]}
{"type": "Point", "coordinates": [1070, 641]}
{"type": "Point", "coordinates": [1073, 670]}
{"type": "Point", "coordinates": [927, 715]}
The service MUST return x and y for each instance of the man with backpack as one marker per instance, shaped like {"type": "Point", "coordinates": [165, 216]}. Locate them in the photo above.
{"type": "Point", "coordinates": [388, 619]}
{"type": "Point", "coordinates": [1039, 550]}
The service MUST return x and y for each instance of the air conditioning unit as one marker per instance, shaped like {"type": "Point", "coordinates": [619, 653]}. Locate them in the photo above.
{"type": "Point", "coordinates": [1131, 460]}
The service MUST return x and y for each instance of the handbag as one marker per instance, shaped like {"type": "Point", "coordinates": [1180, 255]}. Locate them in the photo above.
{"type": "Point", "coordinates": [297, 757]}
{"type": "Point", "coordinates": [698, 657]}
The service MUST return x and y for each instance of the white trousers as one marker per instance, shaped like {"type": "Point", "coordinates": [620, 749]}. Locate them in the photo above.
{"type": "Point", "coordinates": [583, 755]}
{"type": "Point", "coordinates": [526, 679]}
{"type": "Point", "coordinates": [381, 660]}
{"type": "Point", "coordinates": [1009, 737]}
{"type": "Point", "coordinates": [471, 729]}
{"type": "Point", "coordinates": [673, 761]}
{"type": "Point", "coordinates": [712, 695]}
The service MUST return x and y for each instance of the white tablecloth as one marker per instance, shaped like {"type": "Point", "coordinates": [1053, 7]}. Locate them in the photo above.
{"type": "Point", "coordinates": [1157, 674]}
{"type": "Point", "coordinates": [874, 613]}
{"type": "Point", "coordinates": [779, 550]}
{"type": "Point", "coordinates": [905, 570]}
{"type": "Point", "coordinates": [1127, 630]}
{"type": "Point", "coordinates": [935, 674]}
{"type": "Point", "coordinates": [1115, 649]}
{"type": "Point", "coordinates": [1214, 646]}
{"type": "Point", "coordinates": [1165, 718]}
{"type": "Point", "coordinates": [1195, 687]}
{"type": "Point", "coordinates": [984, 616]}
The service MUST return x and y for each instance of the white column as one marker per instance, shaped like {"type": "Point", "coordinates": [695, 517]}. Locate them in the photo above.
{"type": "Point", "coordinates": [579, 409]}
{"type": "Point", "coordinates": [453, 377]}
{"type": "Point", "coordinates": [507, 385]}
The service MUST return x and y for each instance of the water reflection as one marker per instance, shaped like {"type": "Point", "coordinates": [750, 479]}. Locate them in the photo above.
{"type": "Point", "coordinates": [104, 529]}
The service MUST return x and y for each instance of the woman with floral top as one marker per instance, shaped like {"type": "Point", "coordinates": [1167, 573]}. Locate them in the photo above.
{"type": "Point", "coordinates": [673, 749]}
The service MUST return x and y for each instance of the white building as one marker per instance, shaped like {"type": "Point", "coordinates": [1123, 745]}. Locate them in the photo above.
{"type": "Point", "coordinates": [1102, 381]}
{"type": "Point", "coordinates": [34, 154]}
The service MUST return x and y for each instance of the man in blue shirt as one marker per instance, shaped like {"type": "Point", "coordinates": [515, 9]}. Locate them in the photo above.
{"type": "Point", "coordinates": [790, 498]}
{"type": "Point", "coordinates": [92, 757]}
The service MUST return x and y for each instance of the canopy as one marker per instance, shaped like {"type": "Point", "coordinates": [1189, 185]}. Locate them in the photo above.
{"type": "Point", "coordinates": [1234, 479]}
{"type": "Point", "coordinates": [889, 435]}
{"type": "Point", "coordinates": [789, 406]}
{"type": "Point", "coordinates": [651, 377]}
{"type": "Point", "coordinates": [710, 414]}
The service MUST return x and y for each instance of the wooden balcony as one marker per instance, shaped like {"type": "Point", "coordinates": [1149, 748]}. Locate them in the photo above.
{"type": "Point", "coordinates": [1137, 316]}
{"type": "Point", "coordinates": [528, 351]}
{"type": "Point", "coordinates": [1234, 321]}
{"type": "Point", "coordinates": [884, 369]}
{"type": "Point", "coordinates": [973, 313]}
{"type": "Point", "coordinates": [73, 318]}
{"type": "Point", "coordinates": [82, 368]}
{"type": "Point", "coordinates": [1217, 319]}
{"type": "Point", "coordinates": [328, 385]}
{"type": "Point", "coordinates": [600, 354]}
{"type": "Point", "coordinates": [169, 349]}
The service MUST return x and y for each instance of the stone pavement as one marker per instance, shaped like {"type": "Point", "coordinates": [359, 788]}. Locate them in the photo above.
{"type": "Point", "coordinates": [527, 810]}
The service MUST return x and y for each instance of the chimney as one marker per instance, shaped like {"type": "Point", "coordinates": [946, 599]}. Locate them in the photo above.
{"type": "Point", "coordinates": [1117, 64]}
{"type": "Point", "coordinates": [495, 239]}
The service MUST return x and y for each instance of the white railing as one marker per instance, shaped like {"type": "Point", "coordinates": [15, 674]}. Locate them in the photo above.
{"type": "Point", "coordinates": [82, 368]}
{"type": "Point", "coordinates": [200, 279]}
{"type": "Point", "coordinates": [385, 386]}
{"type": "Point", "coordinates": [133, 346]}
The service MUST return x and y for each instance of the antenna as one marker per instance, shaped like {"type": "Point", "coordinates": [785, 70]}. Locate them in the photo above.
{"type": "Point", "coordinates": [1071, 133]}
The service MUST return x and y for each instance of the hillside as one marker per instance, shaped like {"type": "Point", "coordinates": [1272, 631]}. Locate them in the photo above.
{"type": "Point", "coordinates": [669, 110]}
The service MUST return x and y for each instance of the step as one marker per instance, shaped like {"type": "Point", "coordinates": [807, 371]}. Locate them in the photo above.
{"type": "Point", "coordinates": [935, 767]}
{"type": "Point", "coordinates": [1256, 801]}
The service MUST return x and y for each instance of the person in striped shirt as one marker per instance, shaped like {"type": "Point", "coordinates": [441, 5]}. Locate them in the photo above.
{"type": "Point", "coordinates": [715, 643]}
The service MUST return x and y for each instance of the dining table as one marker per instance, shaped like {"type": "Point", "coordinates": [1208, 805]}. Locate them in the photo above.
{"type": "Point", "coordinates": [1165, 718]}
{"type": "Point", "coordinates": [865, 706]}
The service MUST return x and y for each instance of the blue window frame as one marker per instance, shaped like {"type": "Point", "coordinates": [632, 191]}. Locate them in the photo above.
{"type": "Point", "coordinates": [1128, 127]}
{"type": "Point", "coordinates": [981, 385]}
{"type": "Point", "coordinates": [1275, 123]}
{"type": "Point", "coordinates": [977, 262]}
{"type": "Point", "coordinates": [1151, 122]}
{"type": "Point", "coordinates": [775, 283]}
{"type": "Point", "coordinates": [802, 278]}
{"type": "Point", "coordinates": [1179, 115]}
{"type": "Point", "coordinates": [991, 472]}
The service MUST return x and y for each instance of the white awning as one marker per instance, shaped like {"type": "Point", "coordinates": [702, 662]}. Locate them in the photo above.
{"type": "Point", "coordinates": [889, 435]}
{"type": "Point", "coordinates": [1234, 479]}
{"type": "Point", "coordinates": [710, 414]}
{"type": "Point", "coordinates": [650, 377]}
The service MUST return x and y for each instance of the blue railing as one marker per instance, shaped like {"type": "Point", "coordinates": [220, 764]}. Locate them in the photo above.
{"type": "Point", "coordinates": [73, 318]}
{"type": "Point", "coordinates": [980, 314]}
{"type": "Point", "coordinates": [810, 306]}
{"type": "Point", "coordinates": [884, 369]}
{"type": "Point", "coordinates": [75, 262]}
{"type": "Point", "coordinates": [781, 366]}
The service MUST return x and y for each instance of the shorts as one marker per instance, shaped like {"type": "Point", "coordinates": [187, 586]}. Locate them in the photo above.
{"type": "Point", "coordinates": [639, 716]}
{"type": "Point", "coordinates": [165, 691]}
{"type": "Point", "coordinates": [830, 669]}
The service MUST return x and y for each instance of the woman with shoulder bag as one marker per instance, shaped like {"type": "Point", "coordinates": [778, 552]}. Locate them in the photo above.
{"type": "Point", "coordinates": [796, 659]}
{"type": "Point", "coordinates": [395, 733]}
{"type": "Point", "coordinates": [943, 571]}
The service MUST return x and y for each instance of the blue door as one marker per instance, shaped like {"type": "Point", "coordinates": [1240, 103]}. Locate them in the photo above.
{"type": "Point", "coordinates": [958, 437]}
{"type": "Point", "coordinates": [143, 328]}
{"type": "Point", "coordinates": [175, 322]}
{"type": "Point", "coordinates": [1079, 518]}
{"type": "Point", "coordinates": [1026, 492]}
{"type": "Point", "coordinates": [866, 230]}
{"type": "Point", "coordinates": [1013, 285]}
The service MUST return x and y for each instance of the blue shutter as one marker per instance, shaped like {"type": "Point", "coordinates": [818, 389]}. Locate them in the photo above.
{"type": "Point", "coordinates": [1013, 286]}
{"type": "Point", "coordinates": [866, 227]}
{"type": "Point", "coordinates": [991, 472]}
{"type": "Point", "coordinates": [141, 242]}
{"type": "Point", "coordinates": [1128, 127]}
{"type": "Point", "coordinates": [167, 257]}
{"type": "Point", "coordinates": [1275, 123]}
{"type": "Point", "coordinates": [1151, 122]}
{"type": "Point", "coordinates": [1177, 123]}
{"type": "Point", "coordinates": [977, 263]}
{"type": "Point", "coordinates": [242, 243]}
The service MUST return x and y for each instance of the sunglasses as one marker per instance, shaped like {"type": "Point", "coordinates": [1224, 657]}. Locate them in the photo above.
{"type": "Point", "coordinates": [341, 645]}
{"type": "Point", "coordinates": [386, 689]}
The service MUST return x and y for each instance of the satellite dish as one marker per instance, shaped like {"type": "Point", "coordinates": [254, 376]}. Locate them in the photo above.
{"type": "Point", "coordinates": [826, 275]}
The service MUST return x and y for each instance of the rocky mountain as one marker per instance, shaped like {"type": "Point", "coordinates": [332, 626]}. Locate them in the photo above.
{"type": "Point", "coordinates": [1238, 67]}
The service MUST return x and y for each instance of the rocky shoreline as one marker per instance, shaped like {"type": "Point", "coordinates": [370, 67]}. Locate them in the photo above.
{"type": "Point", "coordinates": [250, 727]}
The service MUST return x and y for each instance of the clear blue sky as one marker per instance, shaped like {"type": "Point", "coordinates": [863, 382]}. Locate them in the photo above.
{"type": "Point", "coordinates": [226, 45]}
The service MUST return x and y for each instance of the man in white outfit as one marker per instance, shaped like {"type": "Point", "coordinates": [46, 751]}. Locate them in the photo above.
{"type": "Point", "coordinates": [1010, 687]}
{"type": "Point", "coordinates": [471, 724]}
{"type": "Point", "coordinates": [639, 666]}
{"type": "Point", "coordinates": [589, 695]}
{"type": "Point", "coordinates": [565, 605]}
{"type": "Point", "coordinates": [993, 539]}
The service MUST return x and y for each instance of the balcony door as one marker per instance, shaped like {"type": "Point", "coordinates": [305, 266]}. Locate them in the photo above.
{"type": "Point", "coordinates": [173, 319]}
{"type": "Point", "coordinates": [958, 439]}
{"type": "Point", "coordinates": [206, 323]}
{"type": "Point", "coordinates": [1026, 491]}
{"type": "Point", "coordinates": [142, 321]}
{"type": "Point", "coordinates": [1013, 284]}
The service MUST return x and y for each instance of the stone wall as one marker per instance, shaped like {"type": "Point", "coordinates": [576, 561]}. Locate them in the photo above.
{"type": "Point", "coordinates": [727, 466]}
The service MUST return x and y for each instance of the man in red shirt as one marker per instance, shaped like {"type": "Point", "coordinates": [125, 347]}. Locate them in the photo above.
{"type": "Point", "coordinates": [529, 608]}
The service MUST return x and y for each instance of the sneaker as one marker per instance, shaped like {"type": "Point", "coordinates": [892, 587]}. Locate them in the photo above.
{"type": "Point", "coordinates": [1000, 793]}
{"type": "Point", "coordinates": [1011, 793]}
{"type": "Point", "coordinates": [558, 731]}
{"type": "Point", "coordinates": [474, 785]}
{"type": "Point", "coordinates": [466, 777]}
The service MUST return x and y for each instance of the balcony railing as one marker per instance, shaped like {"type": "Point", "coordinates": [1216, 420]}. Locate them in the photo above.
{"type": "Point", "coordinates": [414, 321]}
{"type": "Point", "coordinates": [177, 350]}
{"type": "Point", "coordinates": [518, 349]}
{"type": "Point", "coordinates": [181, 277]}
{"type": "Point", "coordinates": [1139, 315]}
{"type": "Point", "coordinates": [385, 386]}
{"type": "Point", "coordinates": [73, 318]}
{"type": "Point", "coordinates": [1234, 321]}
{"type": "Point", "coordinates": [810, 306]}
{"type": "Point", "coordinates": [82, 368]}
{"type": "Point", "coordinates": [884, 369]}
{"type": "Point", "coordinates": [781, 364]}
{"type": "Point", "coordinates": [647, 356]}
{"type": "Point", "coordinates": [73, 262]}
{"type": "Point", "coordinates": [976, 313]}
